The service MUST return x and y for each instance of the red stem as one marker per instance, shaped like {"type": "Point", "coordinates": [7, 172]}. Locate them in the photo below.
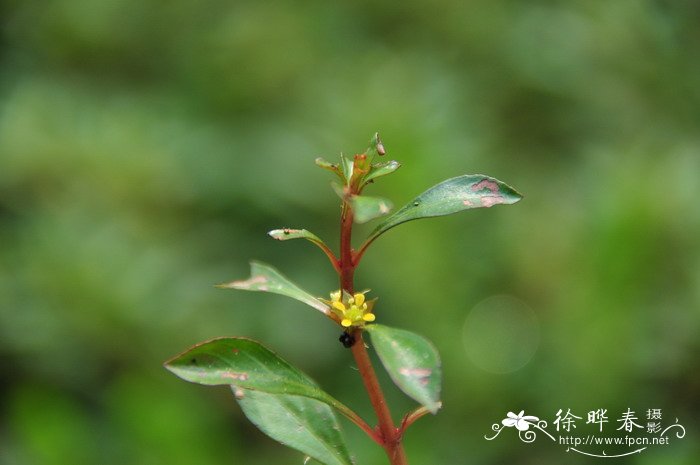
{"type": "Point", "coordinates": [347, 265]}
{"type": "Point", "coordinates": [390, 434]}
{"type": "Point", "coordinates": [355, 418]}
{"type": "Point", "coordinates": [411, 417]}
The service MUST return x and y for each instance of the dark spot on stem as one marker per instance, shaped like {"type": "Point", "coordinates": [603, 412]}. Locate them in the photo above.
{"type": "Point", "coordinates": [416, 203]}
{"type": "Point", "coordinates": [347, 339]}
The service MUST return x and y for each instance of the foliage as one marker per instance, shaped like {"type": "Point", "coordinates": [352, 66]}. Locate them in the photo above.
{"type": "Point", "coordinates": [282, 401]}
{"type": "Point", "coordinates": [142, 142]}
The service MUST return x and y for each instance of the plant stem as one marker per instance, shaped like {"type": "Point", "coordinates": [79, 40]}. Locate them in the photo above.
{"type": "Point", "coordinates": [390, 435]}
{"type": "Point", "coordinates": [362, 424]}
{"type": "Point", "coordinates": [411, 417]}
{"type": "Point", "coordinates": [347, 265]}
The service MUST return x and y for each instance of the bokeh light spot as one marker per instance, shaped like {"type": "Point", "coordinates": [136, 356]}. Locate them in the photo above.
{"type": "Point", "coordinates": [501, 334]}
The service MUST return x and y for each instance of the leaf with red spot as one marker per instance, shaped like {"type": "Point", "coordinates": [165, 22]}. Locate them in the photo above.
{"type": "Point", "coordinates": [265, 278]}
{"type": "Point", "coordinates": [277, 397]}
{"type": "Point", "coordinates": [412, 362]}
{"type": "Point", "coordinates": [452, 196]}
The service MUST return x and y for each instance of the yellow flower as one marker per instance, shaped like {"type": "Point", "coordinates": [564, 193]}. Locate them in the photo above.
{"type": "Point", "coordinates": [351, 309]}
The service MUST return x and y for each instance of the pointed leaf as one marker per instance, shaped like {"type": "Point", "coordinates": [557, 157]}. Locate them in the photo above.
{"type": "Point", "coordinates": [346, 165]}
{"type": "Point", "coordinates": [304, 424]}
{"type": "Point", "coordinates": [382, 169]}
{"type": "Point", "coordinates": [247, 364]}
{"type": "Point", "coordinates": [339, 190]}
{"type": "Point", "coordinates": [277, 397]}
{"type": "Point", "coordinates": [452, 196]}
{"type": "Point", "coordinates": [367, 208]}
{"type": "Point", "coordinates": [412, 362]}
{"type": "Point", "coordinates": [334, 167]}
{"type": "Point", "coordinates": [241, 362]}
{"type": "Point", "coordinates": [286, 234]}
{"type": "Point", "coordinates": [265, 278]}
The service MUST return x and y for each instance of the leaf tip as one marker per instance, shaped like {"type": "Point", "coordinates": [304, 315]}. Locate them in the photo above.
{"type": "Point", "coordinates": [284, 233]}
{"type": "Point", "coordinates": [170, 365]}
{"type": "Point", "coordinates": [435, 407]}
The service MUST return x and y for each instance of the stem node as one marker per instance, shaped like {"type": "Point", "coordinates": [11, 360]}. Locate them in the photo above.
{"type": "Point", "coordinates": [386, 434]}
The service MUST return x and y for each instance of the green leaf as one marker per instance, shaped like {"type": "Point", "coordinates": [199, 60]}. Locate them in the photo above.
{"type": "Point", "coordinates": [412, 362]}
{"type": "Point", "coordinates": [277, 397]}
{"type": "Point", "coordinates": [452, 196]}
{"type": "Point", "coordinates": [242, 362]}
{"type": "Point", "coordinates": [347, 165]}
{"type": "Point", "coordinates": [304, 424]}
{"type": "Point", "coordinates": [339, 190]}
{"type": "Point", "coordinates": [367, 208]}
{"type": "Point", "coordinates": [334, 167]}
{"type": "Point", "coordinates": [345, 169]}
{"type": "Point", "coordinates": [287, 234]}
{"type": "Point", "coordinates": [247, 364]}
{"type": "Point", "coordinates": [265, 278]}
{"type": "Point", "coordinates": [382, 169]}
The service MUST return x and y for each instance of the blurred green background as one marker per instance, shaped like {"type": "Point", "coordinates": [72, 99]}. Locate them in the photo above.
{"type": "Point", "coordinates": [147, 146]}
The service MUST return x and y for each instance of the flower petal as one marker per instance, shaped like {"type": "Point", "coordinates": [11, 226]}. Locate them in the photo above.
{"type": "Point", "coordinates": [509, 422]}
{"type": "Point", "coordinates": [339, 306]}
{"type": "Point", "coordinates": [522, 425]}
